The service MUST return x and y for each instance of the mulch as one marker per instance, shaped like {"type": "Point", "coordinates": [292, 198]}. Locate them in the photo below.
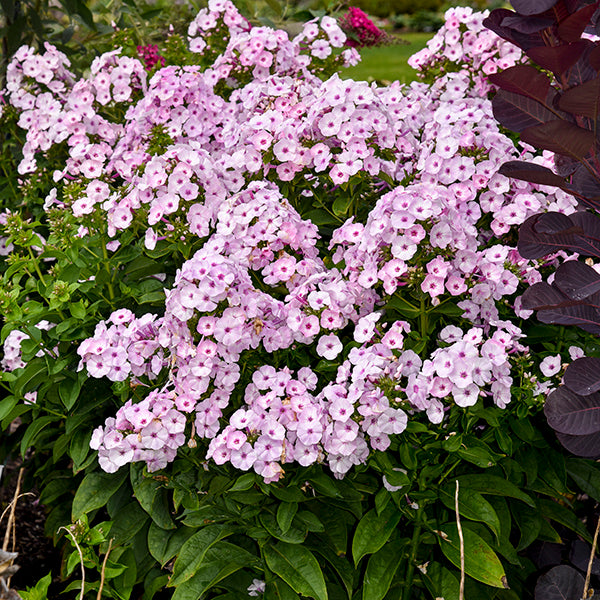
{"type": "Point", "coordinates": [37, 554]}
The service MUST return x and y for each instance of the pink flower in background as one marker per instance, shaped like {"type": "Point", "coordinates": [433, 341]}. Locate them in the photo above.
{"type": "Point", "coordinates": [149, 54]}
{"type": "Point", "coordinates": [361, 31]}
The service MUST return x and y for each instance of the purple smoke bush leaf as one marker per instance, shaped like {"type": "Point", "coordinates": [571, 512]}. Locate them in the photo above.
{"type": "Point", "coordinates": [560, 583]}
{"type": "Point", "coordinates": [570, 413]}
{"type": "Point", "coordinates": [583, 375]}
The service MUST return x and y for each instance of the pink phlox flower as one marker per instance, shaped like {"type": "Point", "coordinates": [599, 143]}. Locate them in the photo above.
{"type": "Point", "coordinates": [551, 365]}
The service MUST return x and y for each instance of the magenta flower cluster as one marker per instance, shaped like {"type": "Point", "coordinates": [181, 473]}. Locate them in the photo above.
{"type": "Point", "coordinates": [261, 280]}
{"type": "Point", "coordinates": [361, 30]}
{"type": "Point", "coordinates": [150, 56]}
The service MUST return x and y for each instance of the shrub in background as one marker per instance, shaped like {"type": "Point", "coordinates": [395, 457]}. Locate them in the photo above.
{"type": "Point", "coordinates": [260, 324]}
{"type": "Point", "coordinates": [387, 8]}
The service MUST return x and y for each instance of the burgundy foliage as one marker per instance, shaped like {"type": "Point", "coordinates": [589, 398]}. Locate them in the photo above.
{"type": "Point", "coordinates": [560, 583]}
{"type": "Point", "coordinates": [560, 113]}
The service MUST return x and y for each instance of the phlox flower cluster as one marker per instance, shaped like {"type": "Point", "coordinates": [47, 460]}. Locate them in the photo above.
{"type": "Point", "coordinates": [12, 354]}
{"type": "Point", "coordinates": [149, 431]}
{"type": "Point", "coordinates": [212, 155]}
{"type": "Point", "coordinates": [56, 109]}
{"type": "Point", "coordinates": [466, 365]}
{"type": "Point", "coordinates": [244, 52]}
{"type": "Point", "coordinates": [11, 358]}
{"type": "Point", "coordinates": [464, 45]}
{"type": "Point", "coordinates": [127, 346]}
{"type": "Point", "coordinates": [284, 420]}
{"type": "Point", "coordinates": [361, 30]}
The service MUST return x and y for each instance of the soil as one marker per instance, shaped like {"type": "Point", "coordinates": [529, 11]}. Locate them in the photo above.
{"type": "Point", "coordinates": [37, 554]}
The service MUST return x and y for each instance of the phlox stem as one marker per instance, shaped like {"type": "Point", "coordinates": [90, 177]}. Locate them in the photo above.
{"type": "Point", "coordinates": [410, 569]}
{"type": "Point", "coordinates": [36, 266]}
{"type": "Point", "coordinates": [111, 290]}
{"type": "Point", "coordinates": [461, 593]}
{"type": "Point", "coordinates": [423, 319]}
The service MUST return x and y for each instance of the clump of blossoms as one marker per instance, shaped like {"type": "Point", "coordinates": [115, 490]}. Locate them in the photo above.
{"type": "Point", "coordinates": [235, 158]}
{"type": "Point", "coordinates": [463, 45]}
{"type": "Point", "coordinates": [361, 30]}
{"type": "Point", "coordinates": [151, 56]}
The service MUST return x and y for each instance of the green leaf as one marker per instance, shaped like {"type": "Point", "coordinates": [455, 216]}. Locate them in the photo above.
{"type": "Point", "coordinates": [32, 375]}
{"type": "Point", "coordinates": [530, 523]}
{"type": "Point", "coordinates": [586, 474]}
{"type": "Point", "coordinates": [293, 534]}
{"type": "Point", "coordinates": [279, 590]}
{"type": "Point", "coordinates": [493, 485]}
{"type": "Point", "coordinates": [192, 553]}
{"type": "Point", "coordinates": [34, 430]}
{"type": "Point", "coordinates": [77, 309]}
{"type": "Point", "coordinates": [276, 7]}
{"type": "Point", "coordinates": [336, 526]}
{"type": "Point", "coordinates": [285, 515]}
{"type": "Point", "coordinates": [341, 205]}
{"type": "Point", "coordinates": [441, 582]}
{"type": "Point", "coordinates": [559, 513]}
{"type": "Point", "coordinates": [79, 447]}
{"type": "Point", "coordinates": [341, 565]}
{"type": "Point", "coordinates": [243, 483]}
{"type": "Point", "coordinates": [504, 440]}
{"type": "Point", "coordinates": [128, 521]}
{"type": "Point", "coordinates": [95, 490]}
{"type": "Point", "coordinates": [39, 591]}
{"type": "Point", "coordinates": [124, 582]}
{"type": "Point", "coordinates": [449, 309]}
{"type": "Point", "coordinates": [6, 405]}
{"type": "Point", "coordinates": [298, 568]}
{"type": "Point", "coordinates": [477, 455]}
{"type": "Point", "coordinates": [221, 560]}
{"type": "Point", "coordinates": [373, 531]}
{"type": "Point", "coordinates": [382, 498]}
{"type": "Point", "coordinates": [381, 568]}
{"type": "Point", "coordinates": [325, 485]}
{"type": "Point", "coordinates": [481, 562]}
{"type": "Point", "coordinates": [69, 389]}
{"type": "Point", "coordinates": [154, 581]}
{"type": "Point", "coordinates": [310, 521]}
{"type": "Point", "coordinates": [471, 505]}
{"type": "Point", "coordinates": [164, 544]}
{"type": "Point", "coordinates": [404, 307]}
{"type": "Point", "coordinates": [152, 496]}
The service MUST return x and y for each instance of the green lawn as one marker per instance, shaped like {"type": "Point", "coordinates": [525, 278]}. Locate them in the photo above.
{"type": "Point", "coordinates": [388, 63]}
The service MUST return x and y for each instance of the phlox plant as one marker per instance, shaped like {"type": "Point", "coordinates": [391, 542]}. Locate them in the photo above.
{"type": "Point", "coordinates": [262, 324]}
